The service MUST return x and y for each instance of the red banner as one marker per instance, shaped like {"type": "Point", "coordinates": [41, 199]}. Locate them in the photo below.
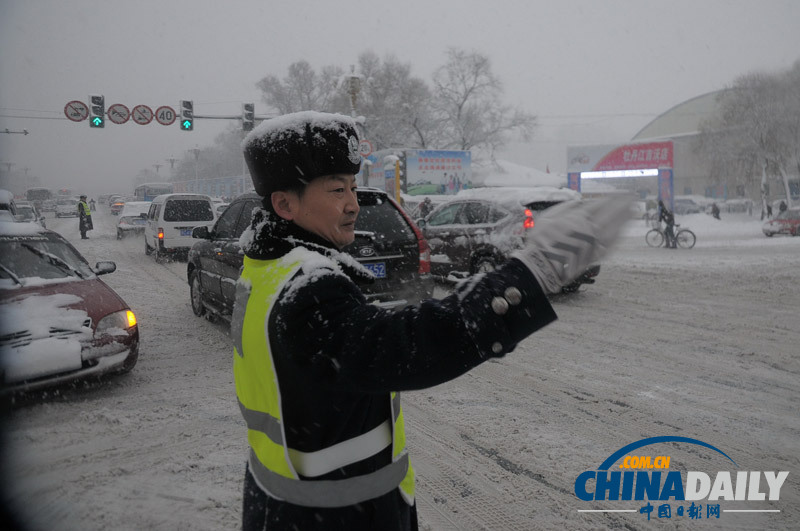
{"type": "Point", "coordinates": [637, 157]}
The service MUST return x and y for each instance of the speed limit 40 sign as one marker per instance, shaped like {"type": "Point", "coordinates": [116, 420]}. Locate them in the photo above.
{"type": "Point", "coordinates": [165, 115]}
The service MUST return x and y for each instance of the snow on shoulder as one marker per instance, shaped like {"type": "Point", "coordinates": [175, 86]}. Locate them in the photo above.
{"type": "Point", "coordinates": [295, 124]}
{"type": "Point", "coordinates": [314, 265]}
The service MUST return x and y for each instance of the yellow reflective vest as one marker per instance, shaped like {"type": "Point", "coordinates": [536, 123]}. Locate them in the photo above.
{"type": "Point", "coordinates": [281, 471]}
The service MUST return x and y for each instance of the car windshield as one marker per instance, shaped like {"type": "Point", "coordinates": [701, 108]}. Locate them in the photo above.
{"type": "Point", "coordinates": [379, 216]}
{"type": "Point", "coordinates": [40, 257]}
{"type": "Point", "coordinates": [188, 210]}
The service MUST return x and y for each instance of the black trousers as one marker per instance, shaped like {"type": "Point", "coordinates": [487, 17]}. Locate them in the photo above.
{"type": "Point", "coordinates": [261, 512]}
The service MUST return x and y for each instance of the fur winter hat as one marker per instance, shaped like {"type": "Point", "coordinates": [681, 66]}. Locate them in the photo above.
{"type": "Point", "coordinates": [294, 149]}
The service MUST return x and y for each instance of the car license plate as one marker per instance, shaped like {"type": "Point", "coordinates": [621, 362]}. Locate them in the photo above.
{"type": "Point", "coordinates": [186, 232]}
{"type": "Point", "coordinates": [140, 222]}
{"type": "Point", "coordinates": [378, 269]}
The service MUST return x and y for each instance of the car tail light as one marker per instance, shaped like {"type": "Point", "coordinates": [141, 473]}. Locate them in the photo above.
{"type": "Point", "coordinates": [528, 223]}
{"type": "Point", "coordinates": [160, 233]}
{"type": "Point", "coordinates": [424, 248]}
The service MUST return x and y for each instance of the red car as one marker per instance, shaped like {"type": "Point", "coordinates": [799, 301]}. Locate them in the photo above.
{"type": "Point", "coordinates": [58, 321]}
{"type": "Point", "coordinates": [787, 222]}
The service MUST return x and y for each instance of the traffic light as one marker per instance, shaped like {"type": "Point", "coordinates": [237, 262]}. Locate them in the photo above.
{"type": "Point", "coordinates": [97, 110]}
{"type": "Point", "coordinates": [248, 116]}
{"type": "Point", "coordinates": [187, 115]}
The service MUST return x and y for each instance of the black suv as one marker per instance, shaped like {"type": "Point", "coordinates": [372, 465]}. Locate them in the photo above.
{"type": "Point", "coordinates": [479, 228]}
{"type": "Point", "coordinates": [386, 242]}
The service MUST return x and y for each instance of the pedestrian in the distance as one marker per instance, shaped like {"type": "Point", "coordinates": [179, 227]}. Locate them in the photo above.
{"type": "Point", "coordinates": [715, 210]}
{"type": "Point", "coordinates": [84, 218]}
{"type": "Point", "coordinates": [318, 369]}
{"type": "Point", "coordinates": [91, 204]}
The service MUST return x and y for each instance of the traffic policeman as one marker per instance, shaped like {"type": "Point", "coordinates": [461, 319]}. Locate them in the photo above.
{"type": "Point", "coordinates": [319, 371]}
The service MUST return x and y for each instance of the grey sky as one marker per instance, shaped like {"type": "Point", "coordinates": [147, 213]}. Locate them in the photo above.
{"type": "Point", "coordinates": [594, 72]}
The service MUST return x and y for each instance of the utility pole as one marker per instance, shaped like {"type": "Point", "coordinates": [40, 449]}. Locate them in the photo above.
{"type": "Point", "coordinates": [196, 152]}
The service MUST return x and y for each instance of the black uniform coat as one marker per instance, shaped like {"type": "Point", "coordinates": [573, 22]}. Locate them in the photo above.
{"type": "Point", "coordinates": [338, 357]}
{"type": "Point", "coordinates": [84, 219]}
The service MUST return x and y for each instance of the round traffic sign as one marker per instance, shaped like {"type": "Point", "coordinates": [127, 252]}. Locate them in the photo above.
{"type": "Point", "coordinates": [165, 115]}
{"type": "Point", "coordinates": [142, 114]}
{"type": "Point", "coordinates": [365, 148]}
{"type": "Point", "coordinates": [77, 111]}
{"type": "Point", "coordinates": [118, 113]}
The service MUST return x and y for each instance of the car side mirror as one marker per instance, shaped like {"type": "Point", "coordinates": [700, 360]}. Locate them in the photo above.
{"type": "Point", "coordinates": [421, 223]}
{"type": "Point", "coordinates": [200, 232]}
{"type": "Point", "coordinates": [103, 268]}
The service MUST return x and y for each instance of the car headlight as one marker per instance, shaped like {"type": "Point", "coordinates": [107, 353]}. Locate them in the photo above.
{"type": "Point", "coordinates": [121, 320]}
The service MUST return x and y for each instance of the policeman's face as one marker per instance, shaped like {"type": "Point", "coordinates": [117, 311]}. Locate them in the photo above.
{"type": "Point", "coordinates": [328, 208]}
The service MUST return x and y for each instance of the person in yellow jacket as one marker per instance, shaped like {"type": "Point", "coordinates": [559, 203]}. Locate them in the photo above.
{"type": "Point", "coordinates": [84, 218]}
{"type": "Point", "coordinates": [319, 371]}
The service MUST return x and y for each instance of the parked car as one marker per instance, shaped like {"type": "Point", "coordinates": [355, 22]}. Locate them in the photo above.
{"type": "Point", "coordinates": [171, 219]}
{"type": "Point", "coordinates": [786, 222]}
{"type": "Point", "coordinates": [58, 321]}
{"type": "Point", "coordinates": [132, 218]}
{"type": "Point", "coordinates": [27, 212]}
{"type": "Point", "coordinates": [479, 229]}
{"type": "Point", "coordinates": [66, 207]}
{"type": "Point", "coordinates": [386, 242]}
{"type": "Point", "coordinates": [684, 205]}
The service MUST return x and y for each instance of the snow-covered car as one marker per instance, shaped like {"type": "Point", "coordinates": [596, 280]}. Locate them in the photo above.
{"type": "Point", "coordinates": [58, 321]}
{"type": "Point", "coordinates": [684, 205]}
{"type": "Point", "coordinates": [132, 218]}
{"type": "Point", "coordinates": [412, 203]}
{"type": "Point", "coordinates": [7, 202]}
{"type": "Point", "coordinates": [27, 212]}
{"type": "Point", "coordinates": [479, 228]}
{"type": "Point", "coordinates": [66, 207]}
{"type": "Point", "coordinates": [386, 242]}
{"type": "Point", "coordinates": [786, 222]}
{"type": "Point", "coordinates": [170, 222]}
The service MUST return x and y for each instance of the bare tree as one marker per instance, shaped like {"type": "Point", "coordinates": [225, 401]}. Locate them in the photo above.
{"type": "Point", "coordinates": [467, 98]}
{"type": "Point", "coordinates": [396, 104]}
{"type": "Point", "coordinates": [302, 89]}
{"type": "Point", "coordinates": [756, 132]}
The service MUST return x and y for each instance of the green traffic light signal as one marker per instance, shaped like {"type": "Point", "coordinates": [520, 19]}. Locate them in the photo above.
{"type": "Point", "coordinates": [187, 115]}
{"type": "Point", "coordinates": [96, 122]}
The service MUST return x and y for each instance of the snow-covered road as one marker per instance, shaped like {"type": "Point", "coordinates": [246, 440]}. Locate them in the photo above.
{"type": "Point", "coordinates": [701, 344]}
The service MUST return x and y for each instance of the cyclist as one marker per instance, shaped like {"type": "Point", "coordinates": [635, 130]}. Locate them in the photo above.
{"type": "Point", "coordinates": [669, 232]}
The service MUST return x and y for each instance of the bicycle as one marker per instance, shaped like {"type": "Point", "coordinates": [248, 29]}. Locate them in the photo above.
{"type": "Point", "coordinates": [684, 238]}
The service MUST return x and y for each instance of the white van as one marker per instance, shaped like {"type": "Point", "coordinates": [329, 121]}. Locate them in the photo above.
{"type": "Point", "coordinates": [171, 219]}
